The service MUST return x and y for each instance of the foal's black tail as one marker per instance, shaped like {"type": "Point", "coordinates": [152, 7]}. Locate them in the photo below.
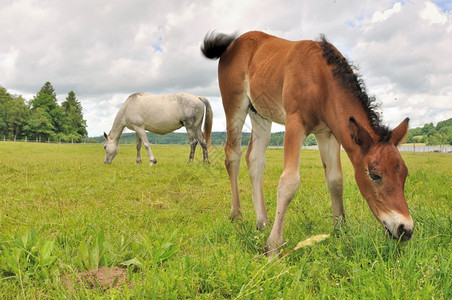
{"type": "Point", "coordinates": [216, 43]}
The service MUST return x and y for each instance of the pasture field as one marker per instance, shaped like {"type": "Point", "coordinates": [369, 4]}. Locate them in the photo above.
{"type": "Point", "coordinates": [164, 230]}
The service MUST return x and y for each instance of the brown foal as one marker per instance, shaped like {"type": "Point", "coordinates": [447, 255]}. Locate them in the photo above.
{"type": "Point", "coordinates": [310, 88]}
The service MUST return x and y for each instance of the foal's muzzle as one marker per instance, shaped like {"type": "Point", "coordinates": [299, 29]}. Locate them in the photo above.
{"type": "Point", "coordinates": [398, 226]}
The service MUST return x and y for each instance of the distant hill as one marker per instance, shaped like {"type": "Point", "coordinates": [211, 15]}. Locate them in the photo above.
{"type": "Point", "coordinates": [181, 138]}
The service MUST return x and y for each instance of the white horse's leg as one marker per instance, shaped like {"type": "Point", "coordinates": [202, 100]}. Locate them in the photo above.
{"type": "Point", "coordinates": [193, 144]}
{"type": "Point", "coordinates": [195, 135]}
{"type": "Point", "coordinates": [144, 139]}
{"type": "Point", "coordinates": [202, 142]}
{"type": "Point", "coordinates": [138, 161]}
{"type": "Point", "coordinates": [205, 152]}
{"type": "Point", "coordinates": [255, 159]}
{"type": "Point", "coordinates": [193, 141]}
{"type": "Point", "coordinates": [288, 182]}
{"type": "Point", "coordinates": [330, 153]}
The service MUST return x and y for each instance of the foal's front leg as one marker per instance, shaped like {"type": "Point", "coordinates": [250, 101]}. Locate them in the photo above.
{"type": "Point", "coordinates": [288, 182]}
{"type": "Point", "coordinates": [331, 157]}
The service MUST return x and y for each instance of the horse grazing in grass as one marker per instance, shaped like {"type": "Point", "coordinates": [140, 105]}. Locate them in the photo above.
{"type": "Point", "coordinates": [161, 114]}
{"type": "Point", "coordinates": [311, 88]}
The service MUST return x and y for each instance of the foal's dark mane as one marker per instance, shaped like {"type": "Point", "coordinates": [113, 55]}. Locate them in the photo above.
{"type": "Point", "coordinates": [350, 79]}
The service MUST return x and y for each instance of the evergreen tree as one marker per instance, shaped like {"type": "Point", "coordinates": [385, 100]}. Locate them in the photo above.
{"type": "Point", "coordinates": [49, 115]}
{"type": "Point", "coordinates": [75, 124]}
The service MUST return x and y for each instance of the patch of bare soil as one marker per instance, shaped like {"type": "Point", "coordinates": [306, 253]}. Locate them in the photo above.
{"type": "Point", "coordinates": [102, 278]}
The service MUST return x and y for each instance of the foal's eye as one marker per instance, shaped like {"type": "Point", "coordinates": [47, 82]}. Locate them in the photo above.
{"type": "Point", "coordinates": [375, 177]}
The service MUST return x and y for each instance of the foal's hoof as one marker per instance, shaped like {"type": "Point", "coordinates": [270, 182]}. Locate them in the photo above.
{"type": "Point", "coordinates": [272, 250]}
{"type": "Point", "coordinates": [339, 222]}
{"type": "Point", "coordinates": [261, 225]}
{"type": "Point", "coordinates": [235, 216]}
{"type": "Point", "coordinates": [138, 162]}
{"type": "Point", "coordinates": [153, 162]}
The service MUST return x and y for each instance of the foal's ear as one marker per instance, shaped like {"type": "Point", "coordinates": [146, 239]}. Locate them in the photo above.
{"type": "Point", "coordinates": [106, 136]}
{"type": "Point", "coordinates": [399, 133]}
{"type": "Point", "coordinates": [359, 135]}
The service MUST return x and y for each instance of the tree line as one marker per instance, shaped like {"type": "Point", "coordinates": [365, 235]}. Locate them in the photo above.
{"type": "Point", "coordinates": [441, 134]}
{"type": "Point", "coordinates": [41, 118]}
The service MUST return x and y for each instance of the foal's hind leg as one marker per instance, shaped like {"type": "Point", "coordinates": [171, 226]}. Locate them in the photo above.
{"type": "Point", "coordinates": [330, 153]}
{"type": "Point", "coordinates": [255, 159]}
{"type": "Point", "coordinates": [144, 139]}
{"type": "Point", "coordinates": [138, 161]}
{"type": "Point", "coordinates": [235, 118]}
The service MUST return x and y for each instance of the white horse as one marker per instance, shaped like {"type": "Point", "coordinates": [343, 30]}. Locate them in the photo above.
{"type": "Point", "coordinates": [160, 114]}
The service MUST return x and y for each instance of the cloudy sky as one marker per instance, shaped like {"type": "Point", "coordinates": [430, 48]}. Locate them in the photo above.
{"type": "Point", "coordinates": [105, 50]}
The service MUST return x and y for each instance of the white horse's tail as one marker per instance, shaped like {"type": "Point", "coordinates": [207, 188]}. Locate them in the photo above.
{"type": "Point", "coordinates": [207, 121]}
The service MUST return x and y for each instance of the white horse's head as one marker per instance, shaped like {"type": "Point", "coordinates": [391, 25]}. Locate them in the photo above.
{"type": "Point", "coordinates": [111, 149]}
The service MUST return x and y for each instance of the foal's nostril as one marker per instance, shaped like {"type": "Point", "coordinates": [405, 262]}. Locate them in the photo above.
{"type": "Point", "coordinates": [402, 232]}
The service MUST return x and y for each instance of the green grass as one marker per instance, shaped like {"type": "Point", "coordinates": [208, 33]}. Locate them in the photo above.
{"type": "Point", "coordinates": [62, 212]}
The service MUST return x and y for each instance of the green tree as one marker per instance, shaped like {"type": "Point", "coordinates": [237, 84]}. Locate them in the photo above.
{"type": "Point", "coordinates": [5, 98]}
{"type": "Point", "coordinates": [39, 125]}
{"type": "Point", "coordinates": [428, 129]}
{"type": "Point", "coordinates": [18, 113]}
{"type": "Point", "coordinates": [445, 123]}
{"type": "Point", "coordinates": [13, 114]}
{"type": "Point", "coordinates": [310, 141]}
{"type": "Point", "coordinates": [50, 113]}
{"type": "Point", "coordinates": [447, 131]}
{"type": "Point", "coordinates": [415, 135]}
{"type": "Point", "coordinates": [75, 128]}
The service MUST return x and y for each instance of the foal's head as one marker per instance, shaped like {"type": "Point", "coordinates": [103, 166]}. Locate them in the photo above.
{"type": "Point", "coordinates": [111, 149]}
{"type": "Point", "coordinates": [380, 173]}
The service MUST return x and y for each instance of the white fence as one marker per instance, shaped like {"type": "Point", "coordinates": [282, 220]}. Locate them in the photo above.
{"type": "Point", "coordinates": [414, 148]}
{"type": "Point", "coordinates": [411, 148]}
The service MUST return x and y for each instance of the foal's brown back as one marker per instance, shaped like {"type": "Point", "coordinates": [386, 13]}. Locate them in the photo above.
{"type": "Point", "coordinates": [267, 68]}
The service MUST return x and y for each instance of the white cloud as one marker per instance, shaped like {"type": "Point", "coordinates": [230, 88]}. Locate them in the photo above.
{"type": "Point", "coordinates": [433, 14]}
{"type": "Point", "coordinates": [383, 16]}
